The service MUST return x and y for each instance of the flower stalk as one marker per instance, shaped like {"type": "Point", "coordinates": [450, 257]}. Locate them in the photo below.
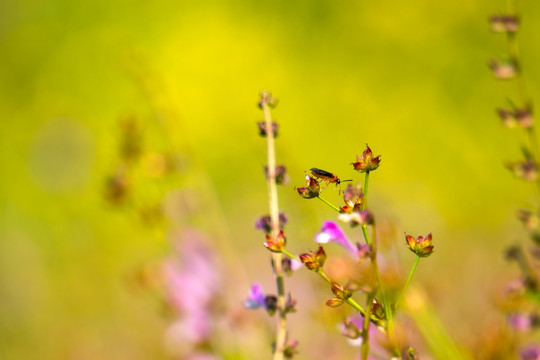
{"type": "Point", "coordinates": [281, 329]}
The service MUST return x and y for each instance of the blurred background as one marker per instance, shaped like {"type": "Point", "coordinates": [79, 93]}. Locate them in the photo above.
{"type": "Point", "coordinates": [129, 133]}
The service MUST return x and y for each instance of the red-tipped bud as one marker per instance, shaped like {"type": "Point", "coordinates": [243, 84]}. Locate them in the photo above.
{"type": "Point", "coordinates": [341, 292]}
{"type": "Point", "coordinates": [312, 190]}
{"type": "Point", "coordinates": [314, 260]}
{"type": "Point", "coordinates": [420, 246]}
{"type": "Point", "coordinates": [334, 302]}
{"type": "Point", "coordinates": [277, 244]}
{"type": "Point", "coordinates": [367, 162]}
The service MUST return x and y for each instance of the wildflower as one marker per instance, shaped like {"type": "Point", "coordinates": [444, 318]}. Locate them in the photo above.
{"type": "Point", "coordinates": [312, 190]}
{"type": "Point", "coordinates": [526, 169]}
{"type": "Point", "coordinates": [341, 293]}
{"type": "Point", "coordinates": [503, 69]}
{"type": "Point", "coordinates": [367, 162]}
{"type": "Point", "coordinates": [358, 218]}
{"type": "Point", "coordinates": [277, 244]}
{"type": "Point", "coordinates": [523, 322]}
{"type": "Point", "coordinates": [420, 246]}
{"type": "Point", "coordinates": [314, 260]}
{"type": "Point", "coordinates": [531, 352]}
{"type": "Point", "coordinates": [264, 223]}
{"type": "Point", "coordinates": [330, 232]}
{"type": "Point", "coordinates": [504, 23]}
{"type": "Point", "coordinates": [256, 297]}
{"type": "Point", "coordinates": [280, 175]}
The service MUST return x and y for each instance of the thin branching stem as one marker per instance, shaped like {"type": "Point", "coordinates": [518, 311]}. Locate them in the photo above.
{"type": "Point", "coordinates": [408, 281]}
{"type": "Point", "coordinates": [328, 203]}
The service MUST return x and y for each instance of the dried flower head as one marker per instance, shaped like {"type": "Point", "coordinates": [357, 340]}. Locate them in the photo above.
{"type": "Point", "coordinates": [277, 244]}
{"type": "Point", "coordinates": [504, 23]}
{"type": "Point", "coordinates": [367, 162]}
{"type": "Point", "coordinates": [420, 246]}
{"type": "Point", "coordinates": [341, 295]}
{"type": "Point", "coordinates": [314, 260]}
{"type": "Point", "coordinates": [312, 190]}
{"type": "Point", "coordinates": [353, 197]}
{"type": "Point", "coordinates": [266, 98]}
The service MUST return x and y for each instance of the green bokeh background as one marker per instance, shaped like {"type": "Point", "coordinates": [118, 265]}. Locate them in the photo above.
{"type": "Point", "coordinates": [409, 78]}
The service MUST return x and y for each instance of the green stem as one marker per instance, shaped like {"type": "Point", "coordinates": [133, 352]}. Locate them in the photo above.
{"type": "Point", "coordinates": [408, 281]}
{"type": "Point", "coordinates": [366, 181]}
{"type": "Point", "coordinates": [366, 234]}
{"type": "Point", "coordinates": [329, 204]}
{"type": "Point", "coordinates": [288, 254]}
{"type": "Point", "coordinates": [365, 327]}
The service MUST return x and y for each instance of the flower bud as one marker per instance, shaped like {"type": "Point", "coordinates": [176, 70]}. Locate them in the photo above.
{"type": "Point", "coordinates": [280, 175]}
{"type": "Point", "coordinates": [526, 169]}
{"type": "Point", "coordinates": [367, 162]}
{"type": "Point", "coordinates": [266, 98]}
{"type": "Point", "coordinates": [420, 246]}
{"type": "Point", "coordinates": [264, 223]}
{"type": "Point", "coordinates": [264, 132]}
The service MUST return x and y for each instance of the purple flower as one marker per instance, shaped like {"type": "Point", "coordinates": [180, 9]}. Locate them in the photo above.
{"type": "Point", "coordinates": [256, 298]}
{"type": "Point", "coordinates": [520, 322]}
{"type": "Point", "coordinates": [330, 232]}
{"type": "Point", "coordinates": [531, 352]}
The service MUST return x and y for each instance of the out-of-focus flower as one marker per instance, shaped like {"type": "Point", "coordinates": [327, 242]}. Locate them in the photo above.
{"type": "Point", "coordinates": [528, 218]}
{"type": "Point", "coordinates": [358, 218]}
{"type": "Point", "coordinates": [504, 23]}
{"type": "Point", "coordinates": [281, 174]}
{"type": "Point", "coordinates": [420, 246]}
{"type": "Point", "coordinates": [290, 349]}
{"type": "Point", "coordinates": [291, 265]}
{"type": "Point", "coordinates": [312, 190]}
{"type": "Point", "coordinates": [353, 197]}
{"type": "Point", "coordinates": [530, 352]}
{"type": "Point", "coordinates": [522, 322]}
{"type": "Point", "coordinates": [517, 117]}
{"type": "Point", "coordinates": [131, 142]}
{"type": "Point", "coordinates": [314, 260]}
{"type": "Point", "coordinates": [262, 128]}
{"type": "Point", "coordinates": [157, 164]}
{"type": "Point", "coordinates": [330, 232]}
{"type": "Point", "coordinates": [263, 223]}
{"type": "Point", "coordinates": [193, 286]}
{"type": "Point", "coordinates": [255, 298]}
{"type": "Point", "coordinates": [266, 98]}
{"type": "Point", "coordinates": [503, 69]}
{"type": "Point", "coordinates": [367, 162]}
{"type": "Point", "coordinates": [363, 251]}
{"type": "Point", "coordinates": [117, 188]}
{"type": "Point", "coordinates": [277, 244]}
{"type": "Point", "coordinates": [526, 169]}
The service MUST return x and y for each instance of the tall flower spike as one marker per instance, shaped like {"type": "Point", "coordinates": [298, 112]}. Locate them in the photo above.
{"type": "Point", "coordinates": [420, 246]}
{"type": "Point", "coordinates": [367, 162]}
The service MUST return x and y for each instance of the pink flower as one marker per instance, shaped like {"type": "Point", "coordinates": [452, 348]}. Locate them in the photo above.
{"type": "Point", "coordinates": [256, 297]}
{"type": "Point", "coordinates": [330, 232]}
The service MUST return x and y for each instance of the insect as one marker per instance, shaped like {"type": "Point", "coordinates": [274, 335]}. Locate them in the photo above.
{"type": "Point", "coordinates": [327, 177]}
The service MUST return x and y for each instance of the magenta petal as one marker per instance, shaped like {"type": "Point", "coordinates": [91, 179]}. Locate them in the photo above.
{"type": "Point", "coordinates": [256, 297]}
{"type": "Point", "coordinates": [331, 232]}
